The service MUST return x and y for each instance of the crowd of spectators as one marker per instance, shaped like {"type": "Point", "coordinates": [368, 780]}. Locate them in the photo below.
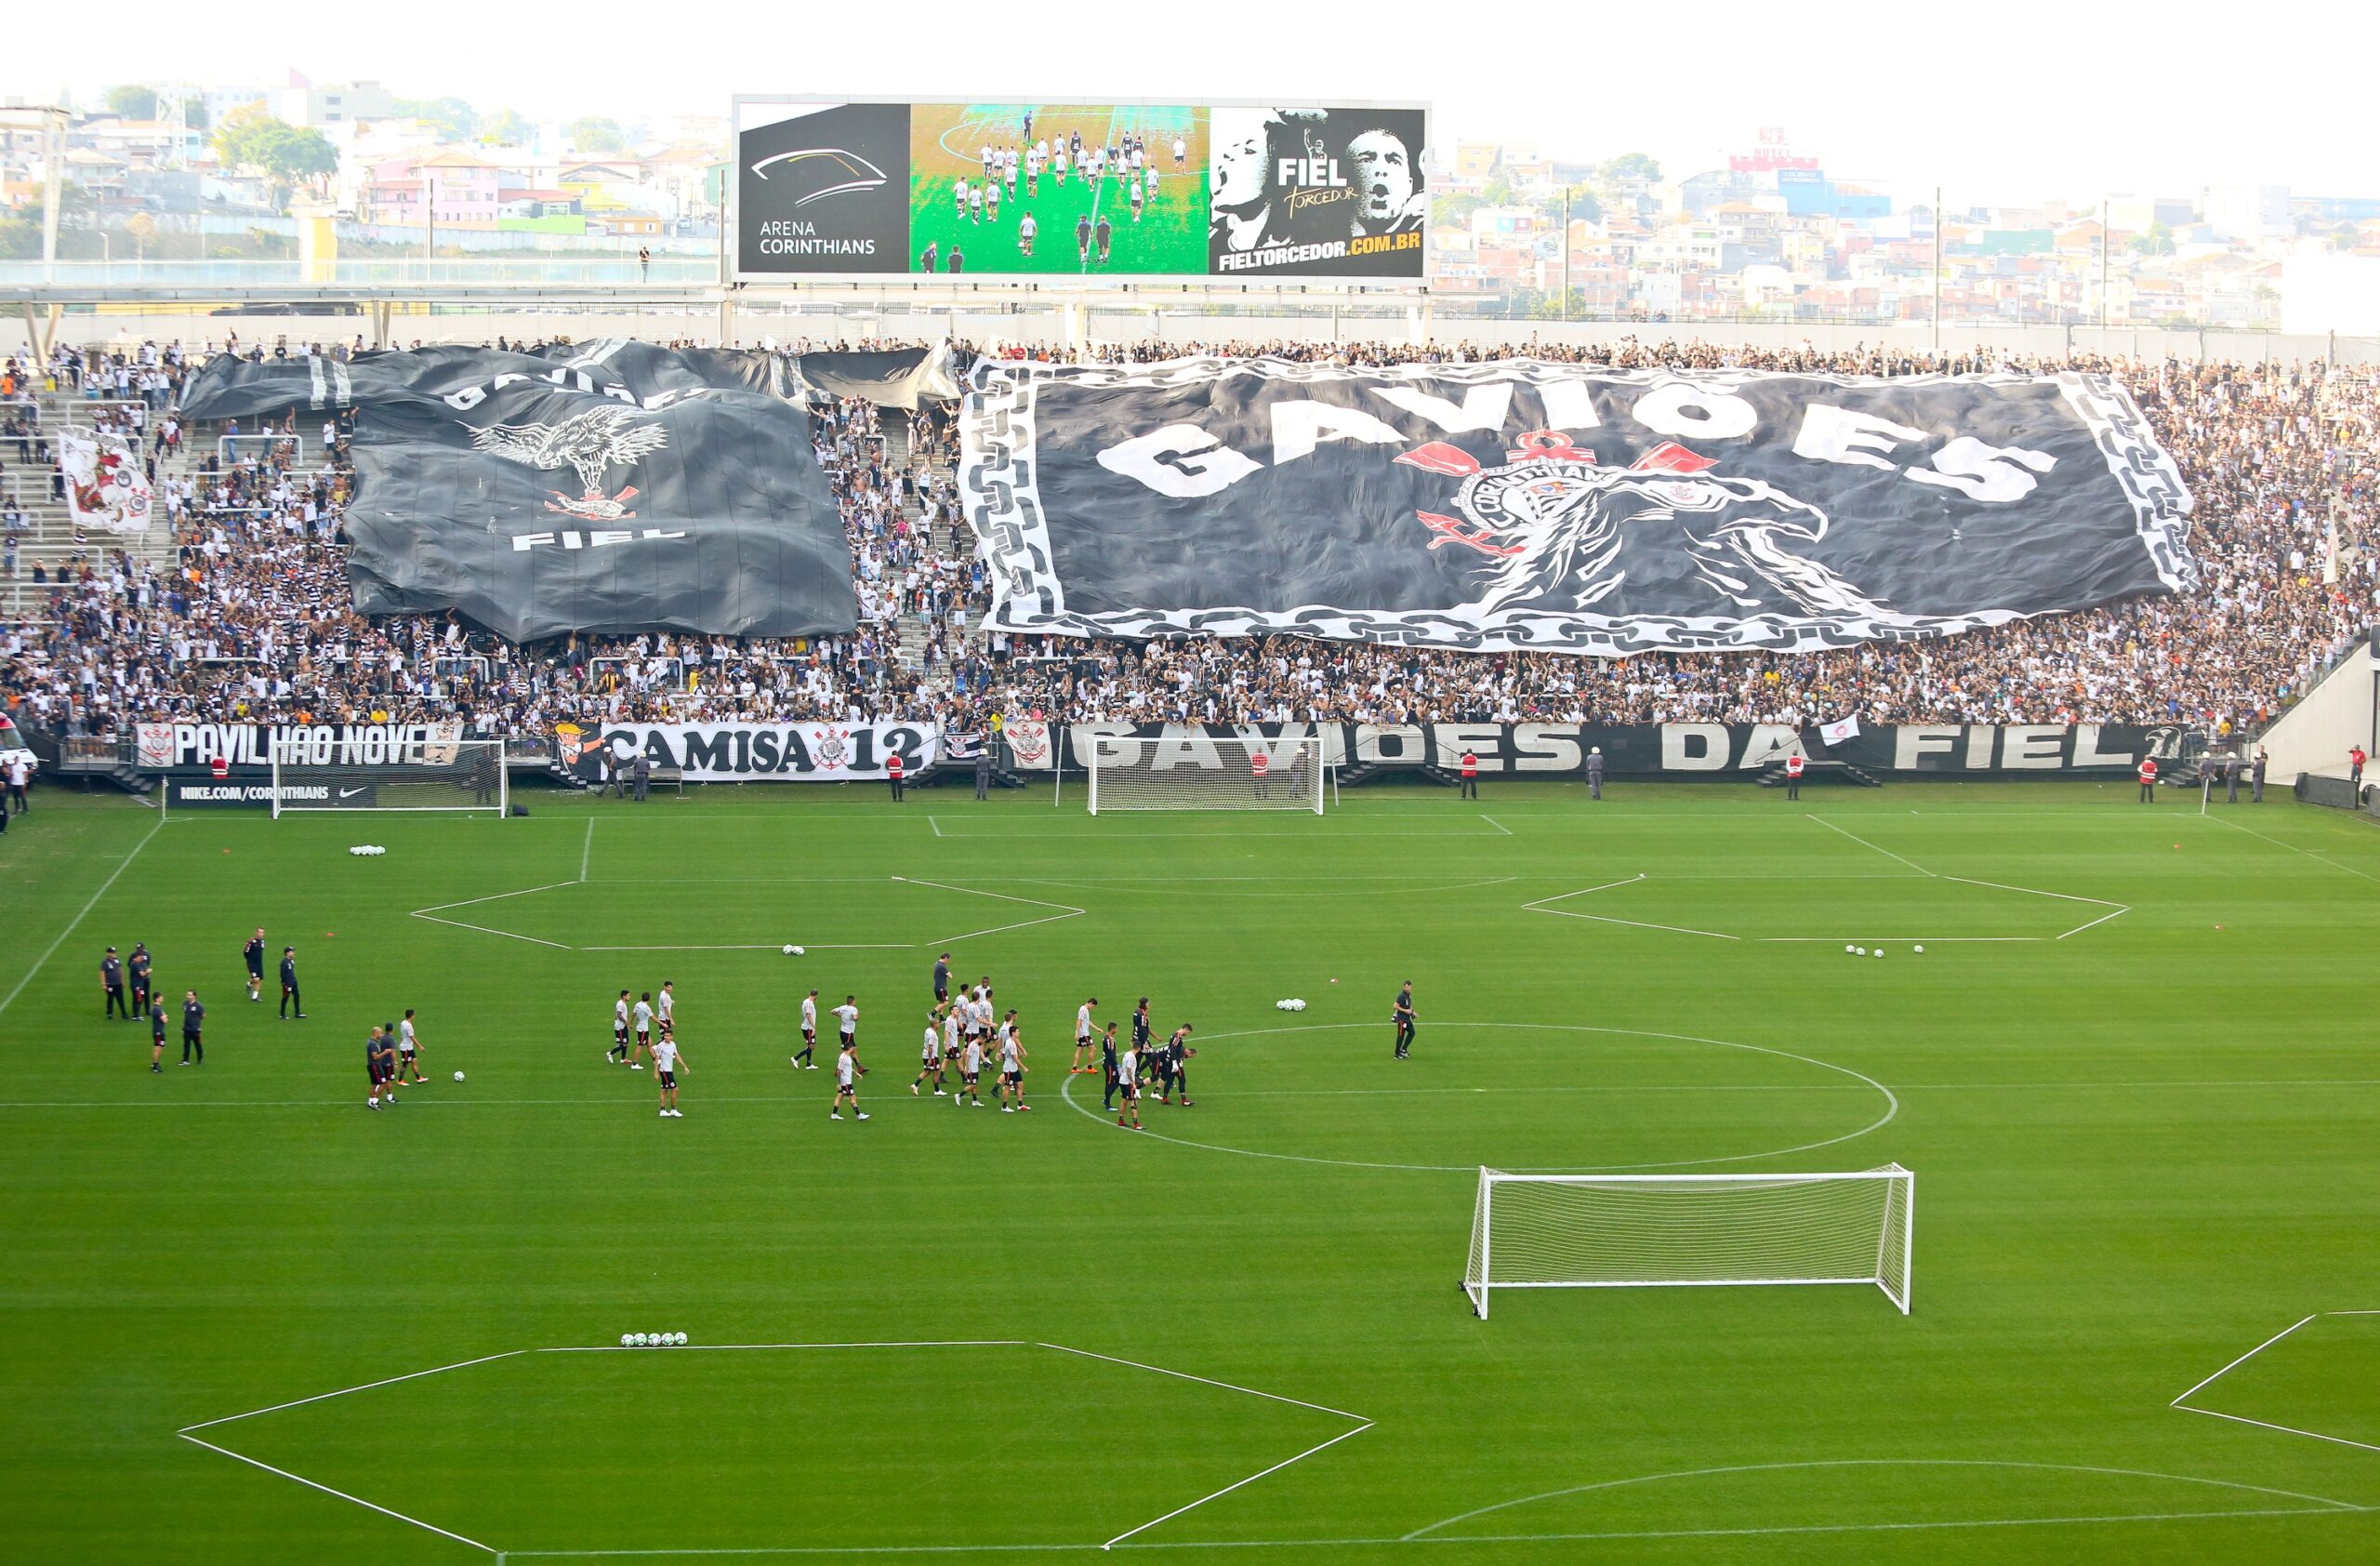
{"type": "Point", "coordinates": [251, 620]}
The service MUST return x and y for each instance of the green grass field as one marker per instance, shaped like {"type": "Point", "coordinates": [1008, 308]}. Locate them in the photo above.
{"type": "Point", "coordinates": [2134, 1070]}
{"type": "Point", "coordinates": [1170, 239]}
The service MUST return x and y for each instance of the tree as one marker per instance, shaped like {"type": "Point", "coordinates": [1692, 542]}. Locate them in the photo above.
{"type": "Point", "coordinates": [1453, 211]}
{"type": "Point", "coordinates": [284, 152]}
{"type": "Point", "coordinates": [506, 128]}
{"type": "Point", "coordinates": [144, 232]}
{"type": "Point", "coordinates": [2158, 241]}
{"type": "Point", "coordinates": [1628, 167]}
{"type": "Point", "coordinates": [596, 134]}
{"type": "Point", "coordinates": [132, 102]}
{"type": "Point", "coordinates": [1584, 205]}
{"type": "Point", "coordinates": [456, 119]}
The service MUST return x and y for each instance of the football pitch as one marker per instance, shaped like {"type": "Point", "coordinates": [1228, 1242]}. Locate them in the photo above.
{"type": "Point", "coordinates": [2134, 1071]}
{"type": "Point", "coordinates": [1169, 239]}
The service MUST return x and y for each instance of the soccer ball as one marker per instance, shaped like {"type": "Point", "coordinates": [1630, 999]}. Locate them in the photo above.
{"type": "Point", "coordinates": [628, 1340]}
{"type": "Point", "coordinates": [636, 1340]}
{"type": "Point", "coordinates": [788, 952]}
{"type": "Point", "coordinates": [1850, 949]}
{"type": "Point", "coordinates": [681, 1340]}
{"type": "Point", "coordinates": [797, 951]}
{"type": "Point", "coordinates": [1297, 1005]}
{"type": "Point", "coordinates": [1860, 951]}
{"type": "Point", "coordinates": [1921, 951]}
{"type": "Point", "coordinates": [1880, 952]}
{"type": "Point", "coordinates": [458, 1076]}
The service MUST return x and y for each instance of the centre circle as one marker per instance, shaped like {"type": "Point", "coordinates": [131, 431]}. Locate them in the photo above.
{"type": "Point", "coordinates": [1525, 1097]}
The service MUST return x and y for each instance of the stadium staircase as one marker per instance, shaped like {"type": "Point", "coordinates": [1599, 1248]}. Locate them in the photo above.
{"type": "Point", "coordinates": [50, 539]}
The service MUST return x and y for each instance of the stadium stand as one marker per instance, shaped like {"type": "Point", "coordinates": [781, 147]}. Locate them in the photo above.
{"type": "Point", "coordinates": [239, 609]}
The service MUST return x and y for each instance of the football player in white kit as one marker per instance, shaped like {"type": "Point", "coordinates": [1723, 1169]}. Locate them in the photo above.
{"type": "Point", "coordinates": [848, 1070]}
{"type": "Point", "coordinates": [929, 1062]}
{"type": "Point", "coordinates": [619, 1050]}
{"type": "Point", "coordinates": [958, 199]}
{"type": "Point", "coordinates": [1025, 229]}
{"type": "Point", "coordinates": [809, 1033]}
{"type": "Point", "coordinates": [643, 1032]}
{"type": "Point", "coordinates": [1083, 1045]}
{"type": "Point", "coordinates": [407, 1046]}
{"type": "Point", "coordinates": [1013, 1065]}
{"type": "Point", "coordinates": [667, 1064]}
{"type": "Point", "coordinates": [971, 1067]}
{"type": "Point", "coordinates": [992, 204]}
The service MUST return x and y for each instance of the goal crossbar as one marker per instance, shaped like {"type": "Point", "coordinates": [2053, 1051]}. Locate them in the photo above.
{"type": "Point", "coordinates": [1641, 1231]}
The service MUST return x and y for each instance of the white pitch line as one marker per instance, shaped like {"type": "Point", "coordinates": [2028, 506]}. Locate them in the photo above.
{"type": "Point", "coordinates": [319, 1397]}
{"type": "Point", "coordinates": [2117, 913]}
{"type": "Point", "coordinates": [861, 946]}
{"type": "Point", "coordinates": [587, 852]}
{"type": "Point", "coordinates": [2310, 853]}
{"type": "Point", "coordinates": [491, 930]}
{"type": "Point", "coordinates": [2245, 1358]}
{"type": "Point", "coordinates": [1639, 923]}
{"type": "Point", "coordinates": [2037, 892]}
{"type": "Point", "coordinates": [1886, 1527]}
{"type": "Point", "coordinates": [935, 825]}
{"type": "Point", "coordinates": [491, 898]}
{"type": "Point", "coordinates": [1942, 940]}
{"type": "Point", "coordinates": [1864, 844]}
{"type": "Point", "coordinates": [1208, 1380]}
{"type": "Point", "coordinates": [1498, 824]}
{"type": "Point", "coordinates": [1227, 1488]}
{"type": "Point", "coordinates": [1558, 897]}
{"type": "Point", "coordinates": [310, 1484]}
{"type": "Point", "coordinates": [76, 922]}
{"type": "Point", "coordinates": [731, 1347]}
{"type": "Point", "coordinates": [2284, 1429]}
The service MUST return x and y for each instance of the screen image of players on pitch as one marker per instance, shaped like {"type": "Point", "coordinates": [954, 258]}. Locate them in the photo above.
{"type": "Point", "coordinates": [1076, 190]}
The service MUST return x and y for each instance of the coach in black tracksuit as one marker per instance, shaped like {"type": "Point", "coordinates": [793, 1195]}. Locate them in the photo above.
{"type": "Point", "coordinates": [289, 996]}
{"type": "Point", "coordinates": [111, 986]}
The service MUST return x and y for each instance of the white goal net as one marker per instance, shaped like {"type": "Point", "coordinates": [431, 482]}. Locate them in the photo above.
{"type": "Point", "coordinates": [1149, 772]}
{"type": "Point", "coordinates": [450, 775]}
{"type": "Point", "coordinates": [1590, 1231]}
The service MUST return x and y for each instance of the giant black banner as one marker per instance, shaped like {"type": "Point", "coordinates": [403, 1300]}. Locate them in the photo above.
{"type": "Point", "coordinates": [1670, 752]}
{"type": "Point", "coordinates": [1526, 505]}
{"type": "Point", "coordinates": [613, 486]}
{"type": "Point", "coordinates": [890, 378]}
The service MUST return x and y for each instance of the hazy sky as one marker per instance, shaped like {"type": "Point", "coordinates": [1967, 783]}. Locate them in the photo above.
{"type": "Point", "coordinates": [2005, 101]}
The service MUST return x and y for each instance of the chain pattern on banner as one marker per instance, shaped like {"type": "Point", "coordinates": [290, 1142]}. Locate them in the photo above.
{"type": "Point", "coordinates": [999, 491]}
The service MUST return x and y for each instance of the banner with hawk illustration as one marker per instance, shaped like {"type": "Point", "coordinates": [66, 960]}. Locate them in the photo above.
{"type": "Point", "coordinates": [1517, 504]}
{"type": "Point", "coordinates": [605, 486]}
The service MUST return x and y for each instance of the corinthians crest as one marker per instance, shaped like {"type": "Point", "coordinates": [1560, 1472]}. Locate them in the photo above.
{"type": "Point", "coordinates": [591, 444]}
{"type": "Point", "coordinates": [1565, 533]}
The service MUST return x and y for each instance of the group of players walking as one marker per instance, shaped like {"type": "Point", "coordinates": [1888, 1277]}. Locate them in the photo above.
{"type": "Point", "coordinates": [965, 1034]}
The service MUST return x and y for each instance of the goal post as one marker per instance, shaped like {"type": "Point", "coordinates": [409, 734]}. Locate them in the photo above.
{"type": "Point", "coordinates": [1620, 1231]}
{"type": "Point", "coordinates": [447, 774]}
{"type": "Point", "coordinates": [1156, 771]}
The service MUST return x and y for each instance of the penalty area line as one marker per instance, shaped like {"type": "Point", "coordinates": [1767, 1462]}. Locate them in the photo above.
{"type": "Point", "coordinates": [1343, 1435]}
{"type": "Point", "coordinates": [311, 1484]}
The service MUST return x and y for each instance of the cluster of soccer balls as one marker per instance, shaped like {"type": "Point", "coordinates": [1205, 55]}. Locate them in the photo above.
{"type": "Point", "coordinates": [367, 849]}
{"type": "Point", "coordinates": [793, 951]}
{"type": "Point", "coordinates": [652, 1340]}
{"type": "Point", "coordinates": [1863, 951]}
{"type": "Point", "coordinates": [1289, 1006]}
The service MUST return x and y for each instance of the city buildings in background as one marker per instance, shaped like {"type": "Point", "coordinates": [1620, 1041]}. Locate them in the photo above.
{"type": "Point", "coordinates": [243, 172]}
